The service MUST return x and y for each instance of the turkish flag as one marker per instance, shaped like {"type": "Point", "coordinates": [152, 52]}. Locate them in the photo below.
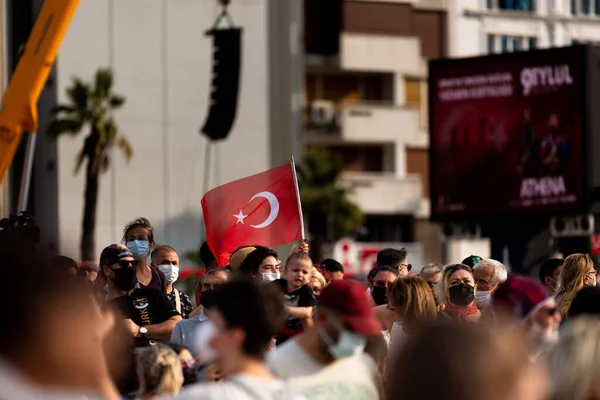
{"type": "Point", "coordinates": [262, 209]}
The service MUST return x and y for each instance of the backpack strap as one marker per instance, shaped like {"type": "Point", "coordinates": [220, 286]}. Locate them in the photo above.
{"type": "Point", "coordinates": [177, 300]}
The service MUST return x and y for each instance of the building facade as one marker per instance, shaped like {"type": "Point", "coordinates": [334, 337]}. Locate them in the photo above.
{"type": "Point", "coordinates": [162, 64]}
{"type": "Point", "coordinates": [494, 26]}
{"type": "Point", "coordinates": [366, 100]}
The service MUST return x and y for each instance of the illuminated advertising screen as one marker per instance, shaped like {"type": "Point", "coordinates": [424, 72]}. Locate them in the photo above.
{"type": "Point", "coordinates": [506, 133]}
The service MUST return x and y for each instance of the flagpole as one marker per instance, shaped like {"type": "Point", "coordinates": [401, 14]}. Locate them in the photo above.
{"type": "Point", "coordinates": [298, 198]}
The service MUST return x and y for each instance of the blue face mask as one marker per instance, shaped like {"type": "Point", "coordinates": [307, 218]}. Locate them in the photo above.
{"type": "Point", "coordinates": [348, 344]}
{"type": "Point", "coordinates": [139, 248]}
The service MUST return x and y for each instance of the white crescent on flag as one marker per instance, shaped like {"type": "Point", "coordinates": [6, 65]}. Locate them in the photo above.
{"type": "Point", "coordinates": [273, 204]}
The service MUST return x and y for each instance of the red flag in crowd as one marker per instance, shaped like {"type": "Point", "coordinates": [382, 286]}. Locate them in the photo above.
{"type": "Point", "coordinates": [260, 209]}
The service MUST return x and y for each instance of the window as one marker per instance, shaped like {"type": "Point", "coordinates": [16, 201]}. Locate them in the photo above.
{"type": "Point", "coordinates": [532, 43]}
{"type": "Point", "coordinates": [415, 94]}
{"type": "Point", "coordinates": [512, 5]}
{"type": "Point", "coordinates": [360, 158]}
{"type": "Point", "coordinates": [585, 7]}
{"type": "Point", "coordinates": [490, 43]}
{"type": "Point", "coordinates": [507, 44]}
{"type": "Point", "coordinates": [504, 44]}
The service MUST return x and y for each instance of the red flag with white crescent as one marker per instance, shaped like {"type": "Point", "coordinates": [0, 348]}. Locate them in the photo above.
{"type": "Point", "coordinates": [262, 209]}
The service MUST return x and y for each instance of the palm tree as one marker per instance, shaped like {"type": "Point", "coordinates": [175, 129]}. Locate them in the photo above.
{"type": "Point", "coordinates": [90, 109]}
{"type": "Point", "coordinates": [328, 211]}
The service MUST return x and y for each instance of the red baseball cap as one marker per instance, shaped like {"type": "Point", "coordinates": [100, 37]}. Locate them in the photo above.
{"type": "Point", "coordinates": [347, 298]}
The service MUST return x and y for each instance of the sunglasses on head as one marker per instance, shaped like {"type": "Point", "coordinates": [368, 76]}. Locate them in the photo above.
{"type": "Point", "coordinates": [458, 266]}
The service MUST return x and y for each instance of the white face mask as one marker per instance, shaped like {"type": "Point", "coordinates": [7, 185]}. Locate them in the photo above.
{"type": "Point", "coordinates": [482, 298]}
{"type": "Point", "coordinates": [270, 276]}
{"type": "Point", "coordinates": [348, 344]}
{"type": "Point", "coordinates": [204, 335]}
{"type": "Point", "coordinates": [542, 338]}
{"type": "Point", "coordinates": [171, 272]}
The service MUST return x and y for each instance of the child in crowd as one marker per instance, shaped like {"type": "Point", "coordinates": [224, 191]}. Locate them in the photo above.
{"type": "Point", "coordinates": [298, 295]}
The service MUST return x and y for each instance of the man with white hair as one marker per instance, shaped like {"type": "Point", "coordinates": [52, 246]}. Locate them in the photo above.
{"type": "Point", "coordinates": [525, 304]}
{"type": "Point", "coordinates": [488, 274]}
{"type": "Point", "coordinates": [432, 273]}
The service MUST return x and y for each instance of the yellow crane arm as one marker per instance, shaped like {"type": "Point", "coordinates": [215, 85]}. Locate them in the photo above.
{"type": "Point", "coordinates": [18, 113]}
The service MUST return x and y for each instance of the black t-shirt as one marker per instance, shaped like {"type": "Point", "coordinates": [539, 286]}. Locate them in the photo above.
{"type": "Point", "coordinates": [144, 306]}
{"type": "Point", "coordinates": [302, 297]}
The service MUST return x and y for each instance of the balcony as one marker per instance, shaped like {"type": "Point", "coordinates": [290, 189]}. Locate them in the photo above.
{"type": "Point", "coordinates": [380, 193]}
{"type": "Point", "coordinates": [363, 122]}
{"type": "Point", "coordinates": [381, 53]}
{"type": "Point", "coordinates": [379, 123]}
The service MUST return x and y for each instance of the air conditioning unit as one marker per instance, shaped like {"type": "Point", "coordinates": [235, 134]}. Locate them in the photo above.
{"type": "Point", "coordinates": [579, 225]}
{"type": "Point", "coordinates": [322, 112]}
{"type": "Point", "coordinates": [460, 230]}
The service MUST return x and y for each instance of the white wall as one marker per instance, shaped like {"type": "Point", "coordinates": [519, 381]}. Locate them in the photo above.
{"type": "Point", "coordinates": [162, 64]}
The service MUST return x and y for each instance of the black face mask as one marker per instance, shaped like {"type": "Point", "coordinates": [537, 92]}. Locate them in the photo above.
{"type": "Point", "coordinates": [462, 294]}
{"type": "Point", "coordinates": [379, 295]}
{"type": "Point", "coordinates": [206, 298]}
{"type": "Point", "coordinates": [125, 278]}
{"type": "Point", "coordinates": [189, 376]}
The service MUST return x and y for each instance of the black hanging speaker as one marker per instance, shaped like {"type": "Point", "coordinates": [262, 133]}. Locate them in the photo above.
{"type": "Point", "coordinates": [227, 47]}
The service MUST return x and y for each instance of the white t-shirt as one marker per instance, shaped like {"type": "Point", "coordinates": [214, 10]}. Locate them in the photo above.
{"type": "Point", "coordinates": [351, 378]}
{"type": "Point", "coordinates": [240, 387]}
{"type": "Point", "coordinates": [15, 386]}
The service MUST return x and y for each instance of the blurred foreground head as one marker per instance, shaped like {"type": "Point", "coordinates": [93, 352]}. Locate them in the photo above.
{"type": "Point", "coordinates": [53, 330]}
{"type": "Point", "coordinates": [469, 362]}
{"type": "Point", "coordinates": [574, 364]}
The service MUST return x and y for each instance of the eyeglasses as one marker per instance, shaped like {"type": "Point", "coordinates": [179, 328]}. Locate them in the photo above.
{"type": "Point", "coordinates": [124, 263]}
{"type": "Point", "coordinates": [272, 268]}
{"type": "Point", "coordinates": [407, 266]}
{"type": "Point", "coordinates": [458, 266]}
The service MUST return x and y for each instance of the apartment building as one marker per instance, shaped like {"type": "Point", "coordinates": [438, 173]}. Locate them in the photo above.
{"type": "Point", "coordinates": [366, 100]}
{"type": "Point", "coordinates": [162, 64]}
{"type": "Point", "coordinates": [495, 26]}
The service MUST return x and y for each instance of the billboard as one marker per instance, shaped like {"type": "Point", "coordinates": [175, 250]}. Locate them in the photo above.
{"type": "Point", "coordinates": [506, 133]}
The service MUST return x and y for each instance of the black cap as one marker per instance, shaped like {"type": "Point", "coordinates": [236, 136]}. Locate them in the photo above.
{"type": "Point", "coordinates": [471, 261]}
{"type": "Point", "coordinates": [331, 265]}
{"type": "Point", "coordinates": [113, 254]}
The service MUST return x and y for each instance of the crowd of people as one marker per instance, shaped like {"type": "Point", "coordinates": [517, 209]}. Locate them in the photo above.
{"type": "Point", "coordinates": [263, 329]}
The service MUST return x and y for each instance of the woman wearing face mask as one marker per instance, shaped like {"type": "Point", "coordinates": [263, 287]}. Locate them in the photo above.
{"type": "Point", "coordinates": [578, 272]}
{"type": "Point", "coordinates": [380, 278]}
{"type": "Point", "coordinates": [456, 292]}
{"type": "Point", "coordinates": [261, 264]}
{"type": "Point", "coordinates": [138, 236]}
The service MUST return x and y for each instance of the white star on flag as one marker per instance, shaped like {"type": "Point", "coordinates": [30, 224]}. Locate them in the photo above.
{"type": "Point", "coordinates": [240, 217]}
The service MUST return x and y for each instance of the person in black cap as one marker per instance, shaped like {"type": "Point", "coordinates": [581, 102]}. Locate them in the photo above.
{"type": "Point", "coordinates": [332, 270]}
{"type": "Point", "coordinates": [471, 261]}
{"type": "Point", "coordinates": [149, 314]}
